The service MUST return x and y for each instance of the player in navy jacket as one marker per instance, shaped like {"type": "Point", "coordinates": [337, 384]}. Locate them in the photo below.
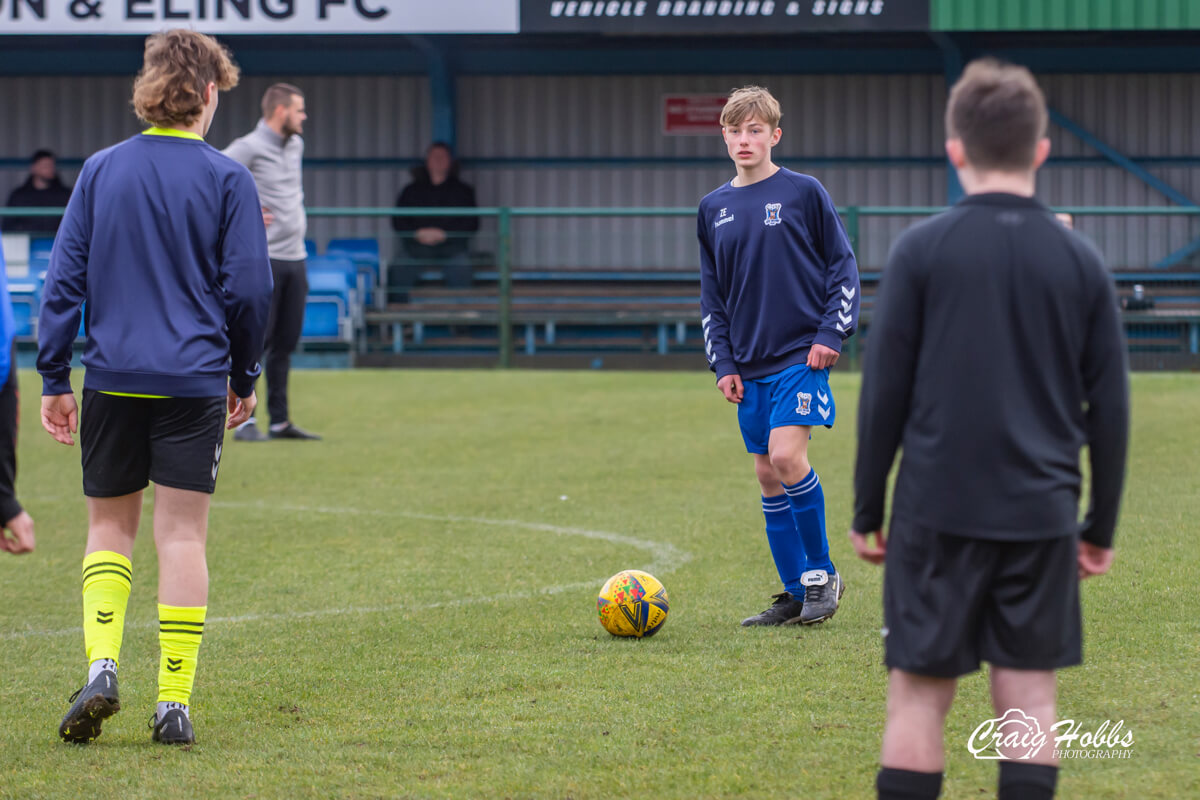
{"type": "Point", "coordinates": [779, 293]}
{"type": "Point", "coordinates": [163, 247]}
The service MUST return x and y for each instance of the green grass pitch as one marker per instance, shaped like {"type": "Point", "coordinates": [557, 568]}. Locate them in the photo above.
{"type": "Point", "coordinates": [407, 609]}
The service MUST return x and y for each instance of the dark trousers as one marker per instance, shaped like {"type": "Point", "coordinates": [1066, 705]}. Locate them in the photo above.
{"type": "Point", "coordinates": [404, 274]}
{"type": "Point", "coordinates": [283, 332]}
{"type": "Point", "coordinates": [9, 416]}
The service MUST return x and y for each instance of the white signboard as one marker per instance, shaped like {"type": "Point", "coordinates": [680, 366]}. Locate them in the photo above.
{"type": "Point", "coordinates": [139, 17]}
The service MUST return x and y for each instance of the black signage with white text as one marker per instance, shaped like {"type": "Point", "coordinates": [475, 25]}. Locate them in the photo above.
{"type": "Point", "coordinates": [722, 16]}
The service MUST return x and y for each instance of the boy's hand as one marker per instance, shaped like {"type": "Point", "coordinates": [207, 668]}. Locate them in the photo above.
{"type": "Point", "coordinates": [17, 536]}
{"type": "Point", "coordinates": [731, 387]}
{"type": "Point", "coordinates": [863, 548]}
{"type": "Point", "coordinates": [1094, 560]}
{"type": "Point", "coordinates": [821, 357]}
{"type": "Point", "coordinates": [60, 417]}
{"type": "Point", "coordinates": [240, 408]}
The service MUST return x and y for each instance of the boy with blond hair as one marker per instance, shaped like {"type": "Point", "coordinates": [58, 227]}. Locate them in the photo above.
{"type": "Point", "coordinates": [778, 296]}
{"type": "Point", "coordinates": [163, 239]}
{"type": "Point", "coordinates": [996, 353]}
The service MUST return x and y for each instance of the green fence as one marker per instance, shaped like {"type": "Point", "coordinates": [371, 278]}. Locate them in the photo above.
{"type": "Point", "coordinates": [1168, 336]}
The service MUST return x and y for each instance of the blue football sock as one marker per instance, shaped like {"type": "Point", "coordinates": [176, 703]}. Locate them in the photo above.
{"type": "Point", "coordinates": [786, 547]}
{"type": "Point", "coordinates": [808, 508]}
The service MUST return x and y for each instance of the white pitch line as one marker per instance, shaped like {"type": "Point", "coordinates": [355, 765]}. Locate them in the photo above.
{"type": "Point", "coordinates": [666, 557]}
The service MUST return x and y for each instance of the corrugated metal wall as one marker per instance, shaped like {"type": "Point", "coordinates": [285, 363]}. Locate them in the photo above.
{"type": "Point", "coordinates": [361, 117]}
{"type": "Point", "coordinates": [846, 116]}
{"type": "Point", "coordinates": [619, 118]}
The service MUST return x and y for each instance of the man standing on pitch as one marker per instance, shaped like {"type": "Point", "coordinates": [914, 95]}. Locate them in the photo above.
{"type": "Point", "coordinates": [778, 294]}
{"type": "Point", "coordinates": [163, 240]}
{"type": "Point", "coordinates": [273, 153]}
{"type": "Point", "coordinates": [995, 355]}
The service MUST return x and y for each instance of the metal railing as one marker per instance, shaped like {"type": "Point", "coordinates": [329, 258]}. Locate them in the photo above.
{"type": "Point", "coordinates": [505, 220]}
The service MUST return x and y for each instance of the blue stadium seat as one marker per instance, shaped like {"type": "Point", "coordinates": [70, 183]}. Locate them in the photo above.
{"type": "Point", "coordinates": [38, 265]}
{"type": "Point", "coordinates": [40, 248]}
{"type": "Point", "coordinates": [355, 248]}
{"type": "Point", "coordinates": [323, 318]}
{"type": "Point", "coordinates": [324, 273]}
{"type": "Point", "coordinates": [310, 247]}
{"type": "Point", "coordinates": [365, 255]}
{"type": "Point", "coordinates": [24, 294]}
{"type": "Point", "coordinates": [331, 298]}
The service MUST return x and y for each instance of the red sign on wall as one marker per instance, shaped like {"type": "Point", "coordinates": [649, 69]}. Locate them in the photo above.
{"type": "Point", "coordinates": [692, 114]}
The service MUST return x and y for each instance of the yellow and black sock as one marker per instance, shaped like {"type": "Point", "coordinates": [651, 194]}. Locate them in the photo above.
{"type": "Point", "coordinates": [179, 632]}
{"type": "Point", "coordinates": [107, 580]}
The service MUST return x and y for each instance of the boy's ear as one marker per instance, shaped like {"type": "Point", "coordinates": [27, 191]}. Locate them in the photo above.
{"type": "Point", "coordinates": [956, 153]}
{"type": "Point", "coordinates": [1041, 152]}
{"type": "Point", "coordinates": [775, 136]}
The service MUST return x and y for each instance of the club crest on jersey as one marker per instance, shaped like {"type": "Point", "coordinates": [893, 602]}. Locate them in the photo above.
{"type": "Point", "coordinates": [803, 403]}
{"type": "Point", "coordinates": [773, 212]}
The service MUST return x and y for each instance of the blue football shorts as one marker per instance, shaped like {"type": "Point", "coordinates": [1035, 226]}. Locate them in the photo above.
{"type": "Point", "coordinates": [796, 396]}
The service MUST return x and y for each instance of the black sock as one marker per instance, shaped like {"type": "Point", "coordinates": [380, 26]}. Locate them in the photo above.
{"type": "Point", "coordinates": [903, 784]}
{"type": "Point", "coordinates": [1021, 781]}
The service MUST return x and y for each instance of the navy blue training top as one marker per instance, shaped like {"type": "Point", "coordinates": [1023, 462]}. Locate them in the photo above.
{"type": "Point", "coordinates": [777, 275]}
{"type": "Point", "coordinates": [164, 240]}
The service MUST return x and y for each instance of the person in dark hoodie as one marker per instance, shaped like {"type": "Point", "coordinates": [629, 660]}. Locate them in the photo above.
{"type": "Point", "coordinates": [42, 189]}
{"type": "Point", "coordinates": [439, 243]}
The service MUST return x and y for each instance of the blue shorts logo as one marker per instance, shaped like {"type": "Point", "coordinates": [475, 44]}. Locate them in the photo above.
{"type": "Point", "coordinates": [773, 212]}
{"type": "Point", "coordinates": [803, 403]}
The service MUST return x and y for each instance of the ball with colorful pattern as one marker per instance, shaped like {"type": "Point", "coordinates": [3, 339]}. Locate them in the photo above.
{"type": "Point", "coordinates": [633, 603]}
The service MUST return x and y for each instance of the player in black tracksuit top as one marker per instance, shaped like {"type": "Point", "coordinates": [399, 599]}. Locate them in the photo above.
{"type": "Point", "coordinates": [994, 356]}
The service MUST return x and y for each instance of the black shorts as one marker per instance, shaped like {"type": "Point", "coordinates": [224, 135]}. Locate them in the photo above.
{"type": "Point", "coordinates": [950, 602]}
{"type": "Point", "coordinates": [129, 441]}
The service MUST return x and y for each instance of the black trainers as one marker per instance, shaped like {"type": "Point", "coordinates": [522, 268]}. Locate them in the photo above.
{"type": "Point", "coordinates": [173, 728]}
{"type": "Point", "coordinates": [784, 611]}
{"type": "Point", "coordinates": [290, 431]}
{"type": "Point", "coordinates": [248, 432]}
{"type": "Point", "coordinates": [90, 706]}
{"type": "Point", "coordinates": [822, 592]}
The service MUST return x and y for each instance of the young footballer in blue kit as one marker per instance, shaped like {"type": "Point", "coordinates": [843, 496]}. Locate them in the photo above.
{"type": "Point", "coordinates": [779, 293]}
{"type": "Point", "coordinates": [163, 240]}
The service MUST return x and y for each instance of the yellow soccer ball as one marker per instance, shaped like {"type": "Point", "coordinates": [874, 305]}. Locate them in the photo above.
{"type": "Point", "coordinates": [632, 603]}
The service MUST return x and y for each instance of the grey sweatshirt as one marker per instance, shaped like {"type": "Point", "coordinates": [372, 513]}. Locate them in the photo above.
{"type": "Point", "coordinates": [275, 164]}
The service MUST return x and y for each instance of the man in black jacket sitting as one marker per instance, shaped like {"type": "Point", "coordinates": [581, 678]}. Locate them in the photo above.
{"type": "Point", "coordinates": [434, 243]}
{"type": "Point", "coordinates": [43, 189]}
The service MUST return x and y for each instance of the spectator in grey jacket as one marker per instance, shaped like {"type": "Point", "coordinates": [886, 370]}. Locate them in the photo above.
{"type": "Point", "coordinates": [273, 152]}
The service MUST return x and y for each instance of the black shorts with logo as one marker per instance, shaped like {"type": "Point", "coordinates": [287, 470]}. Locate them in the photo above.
{"type": "Point", "coordinates": [950, 602]}
{"type": "Point", "coordinates": [129, 441]}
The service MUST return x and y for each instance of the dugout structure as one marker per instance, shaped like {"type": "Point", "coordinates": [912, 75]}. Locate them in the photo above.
{"type": "Point", "coordinates": [577, 105]}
